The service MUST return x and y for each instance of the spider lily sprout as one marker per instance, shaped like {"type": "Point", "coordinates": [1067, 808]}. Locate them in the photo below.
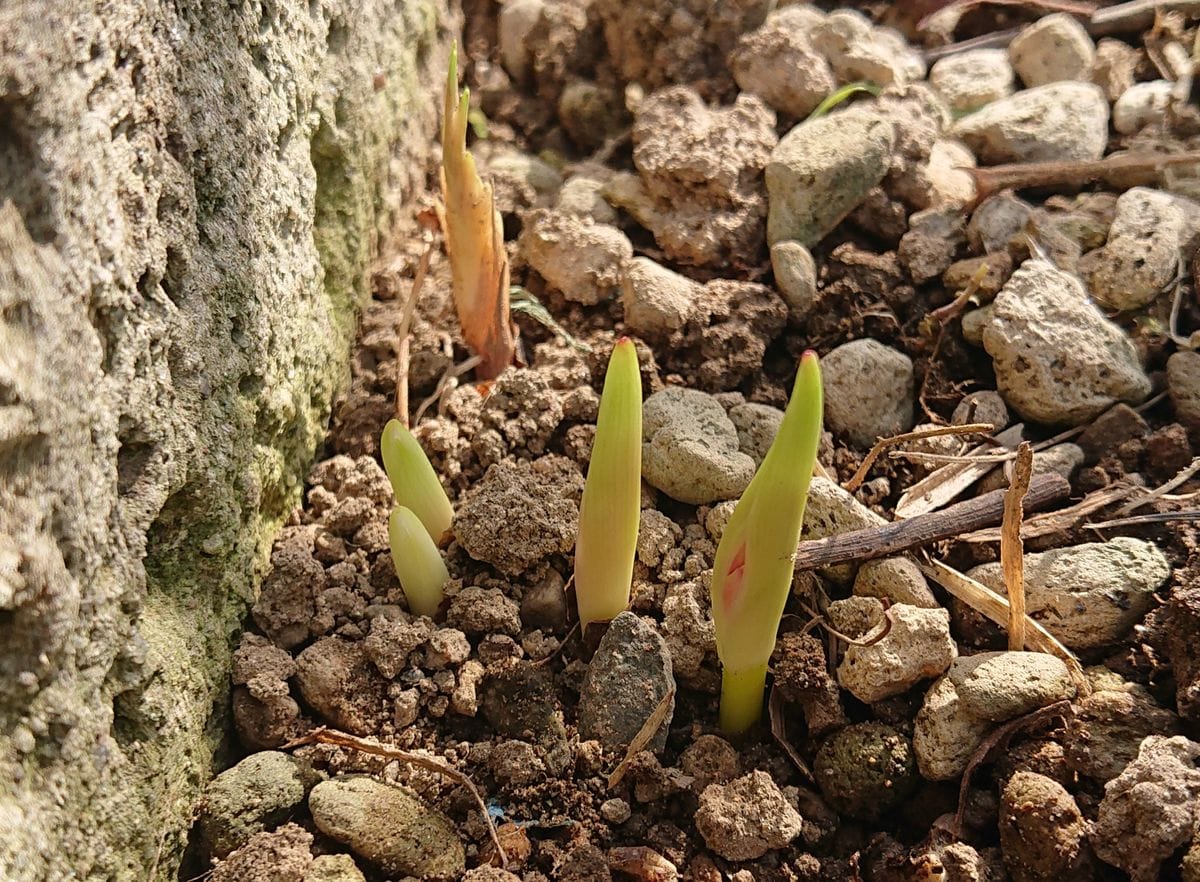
{"type": "Point", "coordinates": [414, 481]}
{"type": "Point", "coordinates": [752, 575]}
{"type": "Point", "coordinates": [608, 515]}
{"type": "Point", "coordinates": [474, 240]}
{"type": "Point", "coordinates": [419, 565]}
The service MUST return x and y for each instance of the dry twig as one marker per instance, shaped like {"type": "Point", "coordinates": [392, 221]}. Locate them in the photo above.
{"type": "Point", "coordinates": [1142, 168]}
{"type": "Point", "coordinates": [1161, 517]}
{"type": "Point", "coordinates": [403, 334]}
{"type": "Point", "coordinates": [1052, 522]}
{"type": "Point", "coordinates": [1012, 557]}
{"type": "Point", "coordinates": [939, 487]}
{"type": "Point", "coordinates": [884, 443]}
{"type": "Point", "coordinates": [1181, 477]}
{"type": "Point", "coordinates": [325, 735]}
{"type": "Point", "coordinates": [779, 733]}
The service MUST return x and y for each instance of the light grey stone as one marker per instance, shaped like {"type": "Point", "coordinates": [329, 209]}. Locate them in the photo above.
{"type": "Point", "coordinates": [821, 170]}
{"type": "Point", "coordinates": [577, 256]}
{"type": "Point", "coordinates": [778, 63]}
{"type": "Point", "coordinates": [690, 447]}
{"type": "Point", "coordinates": [1059, 121]}
{"type": "Point", "coordinates": [515, 24]}
{"type": "Point", "coordinates": [997, 220]}
{"type": "Point", "coordinates": [757, 425]}
{"type": "Point", "coordinates": [868, 391]}
{"type": "Point", "coordinates": [1054, 48]}
{"type": "Point", "coordinates": [656, 300]}
{"type": "Point", "coordinates": [897, 579]}
{"type": "Point", "coordinates": [917, 646]}
{"type": "Point", "coordinates": [858, 50]}
{"type": "Point", "coordinates": [192, 194]}
{"type": "Point", "coordinates": [830, 510]}
{"type": "Point", "coordinates": [968, 80]}
{"type": "Point", "coordinates": [1141, 105]}
{"type": "Point", "coordinates": [1058, 360]}
{"type": "Point", "coordinates": [796, 277]}
{"type": "Point", "coordinates": [1088, 596]}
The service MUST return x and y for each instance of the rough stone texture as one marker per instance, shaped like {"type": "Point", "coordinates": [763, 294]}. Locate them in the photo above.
{"type": "Point", "coordinates": [971, 79]}
{"type": "Point", "coordinates": [1055, 47]}
{"type": "Point", "coordinates": [1107, 728]}
{"type": "Point", "coordinates": [192, 193]}
{"type": "Point", "coordinates": [777, 63]}
{"type": "Point", "coordinates": [1183, 382]}
{"type": "Point", "coordinates": [1141, 105]}
{"type": "Point", "coordinates": [1151, 808]}
{"type": "Point", "coordinates": [1042, 833]}
{"type": "Point", "coordinates": [866, 770]}
{"type": "Point", "coordinates": [575, 254]}
{"type": "Point", "coordinates": [917, 646]}
{"type": "Point", "coordinates": [1059, 121]}
{"type": "Point", "coordinates": [746, 818]}
{"type": "Point", "coordinates": [1057, 358]}
{"type": "Point", "coordinates": [868, 391]}
{"type": "Point", "coordinates": [898, 579]}
{"type": "Point", "coordinates": [796, 277]}
{"type": "Point", "coordinates": [627, 678]}
{"type": "Point", "coordinates": [389, 826]}
{"type": "Point", "coordinates": [656, 300]}
{"type": "Point", "coordinates": [1088, 595]}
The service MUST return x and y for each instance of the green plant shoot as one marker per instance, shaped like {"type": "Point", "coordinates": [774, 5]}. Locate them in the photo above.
{"type": "Point", "coordinates": [611, 507]}
{"type": "Point", "coordinates": [752, 575]}
{"type": "Point", "coordinates": [419, 565]}
{"type": "Point", "coordinates": [414, 481]}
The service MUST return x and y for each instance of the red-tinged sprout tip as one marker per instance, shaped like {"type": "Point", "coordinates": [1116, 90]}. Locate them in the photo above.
{"type": "Point", "coordinates": [623, 341]}
{"type": "Point", "coordinates": [808, 354]}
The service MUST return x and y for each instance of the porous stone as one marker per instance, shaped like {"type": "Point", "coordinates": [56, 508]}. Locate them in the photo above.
{"type": "Point", "coordinates": [866, 770]}
{"type": "Point", "coordinates": [687, 628]}
{"type": "Point", "coordinates": [1058, 360]}
{"type": "Point", "coordinates": [389, 826]}
{"type": "Point", "coordinates": [656, 300]}
{"type": "Point", "coordinates": [627, 678]}
{"type": "Point", "coordinates": [582, 195]}
{"type": "Point", "coordinates": [821, 170]}
{"type": "Point", "coordinates": [575, 254]}
{"type": "Point", "coordinates": [1055, 47]}
{"type": "Point", "coordinates": [896, 579]}
{"type": "Point", "coordinates": [796, 277]}
{"type": "Point", "coordinates": [1183, 384]}
{"type": "Point", "coordinates": [746, 818]}
{"type": "Point", "coordinates": [1141, 105]}
{"type": "Point", "coordinates": [284, 855]}
{"type": "Point", "coordinates": [973, 696]}
{"type": "Point", "coordinates": [1059, 121]}
{"type": "Point", "coordinates": [1089, 595]}
{"type": "Point", "coordinates": [756, 425]}
{"type": "Point", "coordinates": [192, 196]}
{"type": "Point", "coordinates": [858, 50]}
{"type": "Point", "coordinates": [1106, 729]}
{"type": "Point", "coordinates": [259, 792]}
{"type": "Point", "coordinates": [830, 510]}
{"type": "Point", "coordinates": [778, 63]}
{"type": "Point", "coordinates": [333, 868]}
{"type": "Point", "coordinates": [968, 80]}
{"type": "Point", "coordinates": [1151, 232]}
{"type": "Point", "coordinates": [934, 237]}
{"type": "Point", "coordinates": [917, 646]}
{"type": "Point", "coordinates": [868, 391]}
{"type": "Point", "coordinates": [1151, 809]}
{"type": "Point", "coordinates": [690, 447]}
{"type": "Point", "coordinates": [1043, 835]}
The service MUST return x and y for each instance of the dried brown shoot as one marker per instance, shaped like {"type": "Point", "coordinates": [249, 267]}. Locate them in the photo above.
{"type": "Point", "coordinates": [403, 334]}
{"type": "Point", "coordinates": [325, 735]}
{"type": "Point", "coordinates": [1142, 168]}
{"type": "Point", "coordinates": [1063, 519]}
{"type": "Point", "coordinates": [884, 443]}
{"type": "Point", "coordinates": [1181, 477]}
{"type": "Point", "coordinates": [642, 738]}
{"type": "Point", "coordinates": [779, 733]}
{"type": "Point", "coordinates": [1012, 555]}
{"type": "Point", "coordinates": [1162, 517]}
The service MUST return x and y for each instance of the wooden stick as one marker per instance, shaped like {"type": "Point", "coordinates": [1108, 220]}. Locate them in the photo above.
{"type": "Point", "coordinates": [884, 443]}
{"type": "Point", "coordinates": [1134, 16]}
{"type": "Point", "coordinates": [1147, 167]}
{"type": "Point", "coordinates": [1012, 557]}
{"type": "Point", "coordinates": [898, 536]}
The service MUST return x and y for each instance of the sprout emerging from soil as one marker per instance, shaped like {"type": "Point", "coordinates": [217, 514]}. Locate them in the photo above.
{"type": "Point", "coordinates": [414, 481]}
{"type": "Point", "coordinates": [474, 240]}
{"type": "Point", "coordinates": [752, 574]}
{"type": "Point", "coordinates": [418, 563]}
{"type": "Point", "coordinates": [608, 515]}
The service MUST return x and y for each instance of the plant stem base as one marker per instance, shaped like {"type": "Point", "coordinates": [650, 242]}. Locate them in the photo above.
{"type": "Point", "coordinates": [742, 698]}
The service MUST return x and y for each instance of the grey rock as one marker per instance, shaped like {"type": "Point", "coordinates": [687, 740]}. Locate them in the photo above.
{"type": "Point", "coordinates": [868, 391]}
{"type": "Point", "coordinates": [575, 254]}
{"type": "Point", "coordinates": [830, 510]}
{"type": "Point", "coordinates": [656, 300]}
{"type": "Point", "coordinates": [515, 25]}
{"type": "Point", "coordinates": [968, 80]}
{"type": "Point", "coordinates": [746, 818]}
{"type": "Point", "coordinates": [777, 62]}
{"type": "Point", "coordinates": [583, 195]}
{"type": "Point", "coordinates": [1106, 728]}
{"type": "Point", "coordinates": [389, 826]}
{"type": "Point", "coordinates": [997, 220]}
{"type": "Point", "coordinates": [1183, 383]}
{"type": "Point", "coordinates": [190, 195]}
{"type": "Point", "coordinates": [259, 792]}
{"type": "Point", "coordinates": [627, 678]}
{"type": "Point", "coordinates": [1149, 810]}
{"type": "Point", "coordinates": [1054, 48]}
{"type": "Point", "coordinates": [1141, 105]}
{"type": "Point", "coordinates": [821, 170]}
{"type": "Point", "coordinates": [858, 50]}
{"type": "Point", "coordinates": [757, 425]}
{"type": "Point", "coordinates": [796, 277]}
{"type": "Point", "coordinates": [933, 239]}
{"type": "Point", "coordinates": [917, 646]}
{"type": "Point", "coordinates": [1059, 121]}
{"type": "Point", "coordinates": [690, 448]}
{"type": "Point", "coordinates": [981, 407]}
{"type": "Point", "coordinates": [1151, 232]}
{"type": "Point", "coordinates": [1091, 595]}
{"type": "Point", "coordinates": [1057, 358]}
{"type": "Point", "coordinates": [521, 181]}
{"type": "Point", "coordinates": [897, 579]}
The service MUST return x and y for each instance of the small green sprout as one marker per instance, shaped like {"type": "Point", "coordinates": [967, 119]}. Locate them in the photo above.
{"type": "Point", "coordinates": [414, 481]}
{"type": "Point", "coordinates": [752, 574]}
{"type": "Point", "coordinates": [419, 565]}
{"type": "Point", "coordinates": [611, 507]}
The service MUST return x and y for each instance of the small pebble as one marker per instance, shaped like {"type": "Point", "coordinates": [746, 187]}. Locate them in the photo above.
{"type": "Point", "coordinates": [868, 391]}
{"type": "Point", "coordinates": [615, 811]}
{"type": "Point", "coordinates": [968, 80]}
{"type": "Point", "coordinates": [1060, 121]}
{"type": "Point", "coordinates": [1055, 47]}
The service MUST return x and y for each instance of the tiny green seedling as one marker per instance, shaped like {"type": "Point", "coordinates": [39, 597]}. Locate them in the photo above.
{"type": "Point", "coordinates": [414, 481]}
{"type": "Point", "coordinates": [752, 574]}
{"type": "Point", "coordinates": [419, 565]}
{"type": "Point", "coordinates": [611, 507]}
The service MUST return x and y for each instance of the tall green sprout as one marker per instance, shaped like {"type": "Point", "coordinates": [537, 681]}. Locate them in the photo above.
{"type": "Point", "coordinates": [752, 574]}
{"type": "Point", "coordinates": [608, 515]}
